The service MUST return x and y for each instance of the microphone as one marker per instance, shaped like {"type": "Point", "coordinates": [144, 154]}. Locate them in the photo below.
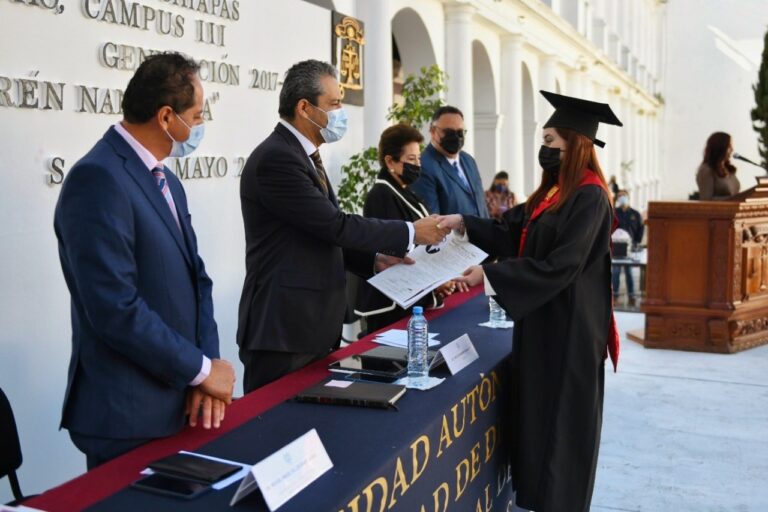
{"type": "Point", "coordinates": [745, 159]}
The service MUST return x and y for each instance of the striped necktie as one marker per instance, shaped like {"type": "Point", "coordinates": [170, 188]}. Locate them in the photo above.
{"type": "Point", "coordinates": [461, 174]}
{"type": "Point", "coordinates": [320, 170]}
{"type": "Point", "coordinates": [162, 182]}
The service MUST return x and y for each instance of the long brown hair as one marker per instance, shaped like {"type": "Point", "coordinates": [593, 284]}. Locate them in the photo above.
{"type": "Point", "coordinates": [579, 155]}
{"type": "Point", "coordinates": [716, 154]}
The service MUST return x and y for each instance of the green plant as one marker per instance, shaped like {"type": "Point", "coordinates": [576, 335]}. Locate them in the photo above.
{"type": "Point", "coordinates": [759, 114]}
{"type": "Point", "coordinates": [358, 174]}
{"type": "Point", "coordinates": [421, 97]}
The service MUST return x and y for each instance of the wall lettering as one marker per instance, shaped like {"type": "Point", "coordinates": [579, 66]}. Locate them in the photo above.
{"type": "Point", "coordinates": [134, 15]}
{"type": "Point", "coordinates": [53, 5]}
{"type": "Point", "coordinates": [267, 80]}
{"type": "Point", "coordinates": [29, 93]}
{"type": "Point", "coordinates": [56, 170]}
{"type": "Point", "coordinates": [99, 100]}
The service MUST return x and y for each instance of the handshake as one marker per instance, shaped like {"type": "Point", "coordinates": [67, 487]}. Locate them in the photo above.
{"type": "Point", "coordinates": [429, 231]}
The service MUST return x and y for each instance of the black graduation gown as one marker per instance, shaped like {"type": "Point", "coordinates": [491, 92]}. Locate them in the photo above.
{"type": "Point", "coordinates": [389, 201]}
{"type": "Point", "coordinates": [558, 294]}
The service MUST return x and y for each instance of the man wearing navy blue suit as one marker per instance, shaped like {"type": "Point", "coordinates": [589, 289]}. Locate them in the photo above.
{"type": "Point", "coordinates": [145, 346]}
{"type": "Point", "coordinates": [449, 181]}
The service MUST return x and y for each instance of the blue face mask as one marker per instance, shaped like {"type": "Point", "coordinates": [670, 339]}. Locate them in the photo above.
{"type": "Point", "coordinates": [182, 149]}
{"type": "Point", "coordinates": [336, 127]}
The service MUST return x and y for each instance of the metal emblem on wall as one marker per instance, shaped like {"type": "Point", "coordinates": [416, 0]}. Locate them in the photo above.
{"type": "Point", "coordinates": [348, 41]}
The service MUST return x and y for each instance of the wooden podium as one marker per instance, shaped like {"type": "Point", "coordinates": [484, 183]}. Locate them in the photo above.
{"type": "Point", "coordinates": [707, 279]}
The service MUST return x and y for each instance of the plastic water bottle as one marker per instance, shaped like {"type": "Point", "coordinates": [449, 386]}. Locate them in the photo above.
{"type": "Point", "coordinates": [497, 316]}
{"type": "Point", "coordinates": [418, 368]}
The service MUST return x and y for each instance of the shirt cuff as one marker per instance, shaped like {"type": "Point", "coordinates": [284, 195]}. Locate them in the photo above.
{"type": "Point", "coordinates": [489, 291]}
{"type": "Point", "coordinates": [411, 235]}
{"type": "Point", "coordinates": [205, 371]}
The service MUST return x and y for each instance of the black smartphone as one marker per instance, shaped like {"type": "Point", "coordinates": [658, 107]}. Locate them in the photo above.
{"type": "Point", "coordinates": [169, 486]}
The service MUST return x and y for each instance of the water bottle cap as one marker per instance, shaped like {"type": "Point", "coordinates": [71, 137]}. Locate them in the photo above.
{"type": "Point", "coordinates": [418, 310]}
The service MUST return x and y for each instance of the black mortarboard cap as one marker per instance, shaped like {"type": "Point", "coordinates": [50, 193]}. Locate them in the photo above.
{"type": "Point", "coordinates": [579, 115]}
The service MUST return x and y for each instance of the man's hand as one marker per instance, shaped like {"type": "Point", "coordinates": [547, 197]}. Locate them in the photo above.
{"type": "Point", "coordinates": [428, 232]}
{"type": "Point", "coordinates": [220, 383]}
{"type": "Point", "coordinates": [383, 262]}
{"type": "Point", "coordinates": [451, 222]}
{"type": "Point", "coordinates": [200, 404]}
{"type": "Point", "coordinates": [472, 276]}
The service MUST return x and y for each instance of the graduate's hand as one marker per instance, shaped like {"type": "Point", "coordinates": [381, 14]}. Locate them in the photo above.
{"type": "Point", "coordinates": [472, 276]}
{"type": "Point", "coordinates": [451, 222]}
{"type": "Point", "coordinates": [383, 262]}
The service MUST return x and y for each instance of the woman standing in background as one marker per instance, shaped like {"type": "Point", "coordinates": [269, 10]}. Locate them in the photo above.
{"type": "Point", "coordinates": [716, 176]}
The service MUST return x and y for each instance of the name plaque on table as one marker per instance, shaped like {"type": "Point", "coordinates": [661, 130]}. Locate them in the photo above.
{"type": "Point", "coordinates": [285, 473]}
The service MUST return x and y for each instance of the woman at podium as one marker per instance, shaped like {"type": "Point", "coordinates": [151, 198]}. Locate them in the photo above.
{"type": "Point", "coordinates": [556, 286]}
{"type": "Point", "coordinates": [716, 177]}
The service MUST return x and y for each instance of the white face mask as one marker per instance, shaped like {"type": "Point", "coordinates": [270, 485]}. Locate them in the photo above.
{"type": "Point", "coordinates": [622, 202]}
{"type": "Point", "coordinates": [182, 149]}
{"type": "Point", "coordinates": [337, 124]}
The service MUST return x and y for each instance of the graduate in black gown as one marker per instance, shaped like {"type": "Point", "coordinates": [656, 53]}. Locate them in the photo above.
{"type": "Point", "coordinates": [391, 198]}
{"type": "Point", "coordinates": [555, 283]}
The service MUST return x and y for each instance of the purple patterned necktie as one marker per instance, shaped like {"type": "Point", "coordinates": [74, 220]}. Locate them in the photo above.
{"type": "Point", "coordinates": [159, 175]}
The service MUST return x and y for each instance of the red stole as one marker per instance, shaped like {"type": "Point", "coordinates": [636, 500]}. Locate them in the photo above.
{"type": "Point", "coordinates": [590, 178]}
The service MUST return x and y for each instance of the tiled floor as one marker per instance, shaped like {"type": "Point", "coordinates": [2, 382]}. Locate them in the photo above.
{"type": "Point", "coordinates": [684, 431]}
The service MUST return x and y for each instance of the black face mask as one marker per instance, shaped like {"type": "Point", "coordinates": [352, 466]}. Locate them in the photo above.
{"type": "Point", "coordinates": [452, 141]}
{"type": "Point", "coordinates": [549, 159]}
{"type": "Point", "coordinates": [410, 174]}
{"type": "Point", "coordinates": [499, 188]}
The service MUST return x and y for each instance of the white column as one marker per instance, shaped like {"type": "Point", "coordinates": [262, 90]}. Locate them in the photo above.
{"type": "Point", "coordinates": [588, 15]}
{"type": "Point", "coordinates": [547, 79]}
{"type": "Point", "coordinates": [614, 145]}
{"type": "Point", "coordinates": [487, 145]}
{"type": "Point", "coordinates": [458, 62]}
{"type": "Point", "coordinates": [574, 87]}
{"type": "Point", "coordinates": [377, 64]}
{"type": "Point", "coordinates": [627, 177]}
{"type": "Point", "coordinates": [642, 157]}
{"type": "Point", "coordinates": [512, 110]}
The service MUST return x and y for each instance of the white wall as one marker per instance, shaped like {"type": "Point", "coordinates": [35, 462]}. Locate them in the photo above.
{"type": "Point", "coordinates": [708, 90]}
{"type": "Point", "coordinates": [34, 302]}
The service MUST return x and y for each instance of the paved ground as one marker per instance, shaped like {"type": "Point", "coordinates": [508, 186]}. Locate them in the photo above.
{"type": "Point", "coordinates": [684, 431]}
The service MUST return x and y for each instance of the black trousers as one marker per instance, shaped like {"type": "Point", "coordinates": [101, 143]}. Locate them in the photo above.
{"type": "Point", "coordinates": [265, 366]}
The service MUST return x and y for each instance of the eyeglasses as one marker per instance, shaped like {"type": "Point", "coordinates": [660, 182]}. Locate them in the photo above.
{"type": "Point", "coordinates": [447, 131]}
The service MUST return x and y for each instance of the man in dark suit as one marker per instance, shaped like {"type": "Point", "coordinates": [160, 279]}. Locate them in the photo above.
{"type": "Point", "coordinates": [450, 181]}
{"type": "Point", "coordinates": [298, 242]}
{"type": "Point", "coordinates": [145, 346]}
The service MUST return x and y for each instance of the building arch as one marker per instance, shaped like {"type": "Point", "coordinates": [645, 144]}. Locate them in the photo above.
{"type": "Point", "coordinates": [530, 164]}
{"type": "Point", "coordinates": [486, 117]}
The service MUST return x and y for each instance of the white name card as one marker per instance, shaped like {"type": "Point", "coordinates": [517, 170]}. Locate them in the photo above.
{"type": "Point", "coordinates": [459, 353]}
{"type": "Point", "coordinates": [285, 473]}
